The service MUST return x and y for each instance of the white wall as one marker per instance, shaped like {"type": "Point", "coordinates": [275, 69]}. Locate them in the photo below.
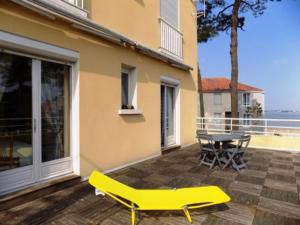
{"type": "Point", "coordinates": [210, 107]}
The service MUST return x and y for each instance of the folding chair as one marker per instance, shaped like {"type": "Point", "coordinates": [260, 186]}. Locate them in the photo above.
{"type": "Point", "coordinates": [234, 154]}
{"type": "Point", "coordinates": [209, 153]}
{"type": "Point", "coordinates": [201, 134]}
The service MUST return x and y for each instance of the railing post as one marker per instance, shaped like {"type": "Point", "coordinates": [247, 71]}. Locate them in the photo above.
{"type": "Point", "coordinates": [266, 127]}
{"type": "Point", "coordinates": [231, 124]}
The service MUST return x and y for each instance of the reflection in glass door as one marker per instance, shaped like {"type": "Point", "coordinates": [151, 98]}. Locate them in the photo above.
{"type": "Point", "coordinates": [15, 112]}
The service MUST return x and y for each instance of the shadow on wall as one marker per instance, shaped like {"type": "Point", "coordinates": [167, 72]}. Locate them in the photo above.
{"type": "Point", "coordinates": [133, 119]}
{"type": "Point", "coordinates": [141, 2]}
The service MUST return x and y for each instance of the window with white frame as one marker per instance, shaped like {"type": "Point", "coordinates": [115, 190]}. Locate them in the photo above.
{"type": "Point", "coordinates": [217, 115]}
{"type": "Point", "coordinates": [247, 120]}
{"type": "Point", "coordinates": [128, 88]}
{"type": "Point", "coordinates": [217, 99]}
{"type": "Point", "coordinates": [246, 99]}
{"type": "Point", "coordinates": [169, 12]}
{"type": "Point", "coordinates": [217, 119]}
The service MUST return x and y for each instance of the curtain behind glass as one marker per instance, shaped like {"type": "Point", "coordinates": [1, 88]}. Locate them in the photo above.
{"type": "Point", "coordinates": [55, 105]}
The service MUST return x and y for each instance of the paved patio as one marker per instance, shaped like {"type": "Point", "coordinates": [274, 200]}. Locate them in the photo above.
{"type": "Point", "coordinates": [267, 193]}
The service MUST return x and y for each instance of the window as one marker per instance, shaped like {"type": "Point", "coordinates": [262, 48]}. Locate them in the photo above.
{"type": "Point", "coordinates": [218, 99]}
{"type": "Point", "coordinates": [128, 88]}
{"type": "Point", "coordinates": [246, 99]}
{"type": "Point", "coordinates": [171, 39]}
{"type": "Point", "coordinates": [217, 118]}
{"type": "Point", "coordinates": [246, 120]}
{"type": "Point", "coordinates": [217, 115]}
{"type": "Point", "coordinates": [169, 11]}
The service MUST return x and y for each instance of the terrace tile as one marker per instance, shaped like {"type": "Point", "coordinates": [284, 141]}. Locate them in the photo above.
{"type": "Point", "coordinates": [268, 192]}
{"type": "Point", "coordinates": [280, 185]}
{"type": "Point", "coordinates": [280, 195]}
{"type": "Point", "coordinates": [250, 179]}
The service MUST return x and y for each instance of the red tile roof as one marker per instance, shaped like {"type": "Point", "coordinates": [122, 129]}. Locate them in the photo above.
{"type": "Point", "coordinates": [223, 84]}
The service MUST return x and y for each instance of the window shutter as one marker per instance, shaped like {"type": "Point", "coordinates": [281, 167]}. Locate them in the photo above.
{"type": "Point", "coordinates": [169, 12]}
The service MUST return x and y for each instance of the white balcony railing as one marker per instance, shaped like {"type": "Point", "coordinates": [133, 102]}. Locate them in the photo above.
{"type": "Point", "coordinates": [77, 3]}
{"type": "Point", "coordinates": [269, 127]}
{"type": "Point", "coordinates": [170, 40]}
{"type": "Point", "coordinates": [75, 7]}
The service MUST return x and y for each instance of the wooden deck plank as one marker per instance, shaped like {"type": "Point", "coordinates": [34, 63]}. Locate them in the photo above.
{"type": "Point", "coordinates": [266, 193]}
{"type": "Point", "coordinates": [279, 207]}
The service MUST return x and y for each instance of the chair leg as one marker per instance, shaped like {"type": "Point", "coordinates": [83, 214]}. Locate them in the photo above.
{"type": "Point", "coordinates": [202, 158]}
{"type": "Point", "coordinates": [132, 216]}
{"type": "Point", "coordinates": [213, 163]}
{"type": "Point", "coordinates": [243, 162]}
{"type": "Point", "coordinates": [187, 214]}
{"type": "Point", "coordinates": [235, 165]}
{"type": "Point", "coordinates": [230, 157]}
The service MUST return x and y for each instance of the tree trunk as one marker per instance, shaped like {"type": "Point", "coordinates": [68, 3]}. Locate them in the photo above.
{"type": "Point", "coordinates": [201, 101]}
{"type": "Point", "coordinates": [234, 61]}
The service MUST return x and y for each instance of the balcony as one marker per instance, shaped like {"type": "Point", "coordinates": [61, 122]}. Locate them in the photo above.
{"type": "Point", "coordinates": [75, 7]}
{"type": "Point", "coordinates": [170, 40]}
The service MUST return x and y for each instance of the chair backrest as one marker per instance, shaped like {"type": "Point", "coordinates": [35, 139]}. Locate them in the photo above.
{"type": "Point", "coordinates": [201, 132]}
{"type": "Point", "coordinates": [243, 143]}
{"type": "Point", "coordinates": [203, 135]}
{"type": "Point", "coordinates": [110, 186]}
{"type": "Point", "coordinates": [240, 132]}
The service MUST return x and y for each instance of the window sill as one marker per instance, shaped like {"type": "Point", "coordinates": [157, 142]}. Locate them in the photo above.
{"type": "Point", "coordinates": [130, 112]}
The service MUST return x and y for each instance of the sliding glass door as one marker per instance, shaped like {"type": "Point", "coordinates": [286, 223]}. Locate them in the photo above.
{"type": "Point", "coordinates": [167, 115]}
{"type": "Point", "coordinates": [34, 120]}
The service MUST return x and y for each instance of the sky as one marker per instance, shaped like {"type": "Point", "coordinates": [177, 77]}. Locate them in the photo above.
{"type": "Point", "coordinates": [269, 55]}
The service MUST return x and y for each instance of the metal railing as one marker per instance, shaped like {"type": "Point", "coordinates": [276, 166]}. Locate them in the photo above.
{"type": "Point", "coordinates": [170, 39]}
{"type": "Point", "coordinates": [277, 127]}
{"type": "Point", "coordinates": [78, 3]}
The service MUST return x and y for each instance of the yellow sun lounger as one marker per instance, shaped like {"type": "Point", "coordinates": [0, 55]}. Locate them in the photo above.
{"type": "Point", "coordinates": [174, 199]}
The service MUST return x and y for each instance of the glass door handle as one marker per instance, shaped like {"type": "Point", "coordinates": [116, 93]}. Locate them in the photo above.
{"type": "Point", "coordinates": [34, 125]}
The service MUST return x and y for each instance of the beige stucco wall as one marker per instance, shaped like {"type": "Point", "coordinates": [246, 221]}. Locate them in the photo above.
{"type": "Point", "coordinates": [139, 20]}
{"type": "Point", "coordinates": [108, 140]}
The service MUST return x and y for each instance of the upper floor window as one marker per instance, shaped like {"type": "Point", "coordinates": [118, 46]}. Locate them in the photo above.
{"type": "Point", "coordinates": [170, 36]}
{"type": "Point", "coordinates": [169, 12]}
{"type": "Point", "coordinates": [246, 99]}
{"type": "Point", "coordinates": [217, 99]}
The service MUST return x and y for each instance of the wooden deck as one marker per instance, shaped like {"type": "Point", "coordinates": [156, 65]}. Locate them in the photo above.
{"type": "Point", "coordinates": [267, 193]}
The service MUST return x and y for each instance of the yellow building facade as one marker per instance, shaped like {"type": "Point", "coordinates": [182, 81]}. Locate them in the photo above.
{"type": "Point", "coordinates": [111, 83]}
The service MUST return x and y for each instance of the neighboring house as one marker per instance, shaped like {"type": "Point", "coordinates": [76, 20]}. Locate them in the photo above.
{"type": "Point", "coordinates": [217, 99]}
{"type": "Point", "coordinates": [93, 84]}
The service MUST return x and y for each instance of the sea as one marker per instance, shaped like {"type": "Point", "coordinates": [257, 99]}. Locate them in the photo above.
{"type": "Point", "coordinates": [283, 115]}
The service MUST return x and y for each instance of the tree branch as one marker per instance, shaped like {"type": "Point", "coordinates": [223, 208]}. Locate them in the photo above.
{"type": "Point", "coordinates": [223, 10]}
{"type": "Point", "coordinates": [250, 5]}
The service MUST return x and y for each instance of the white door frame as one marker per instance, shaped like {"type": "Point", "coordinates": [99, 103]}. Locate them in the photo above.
{"type": "Point", "coordinates": [22, 177]}
{"type": "Point", "coordinates": [172, 82]}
